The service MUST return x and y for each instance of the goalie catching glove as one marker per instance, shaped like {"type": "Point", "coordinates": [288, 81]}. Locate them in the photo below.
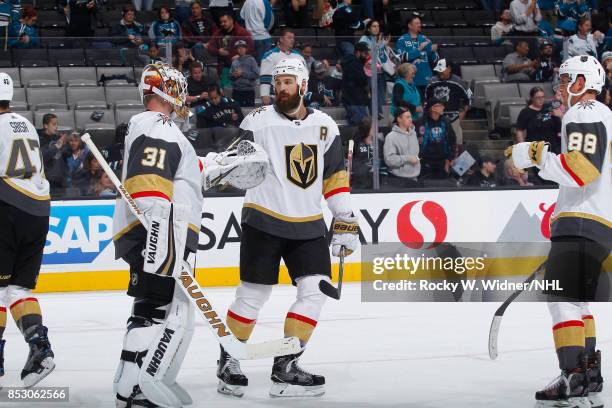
{"type": "Point", "coordinates": [345, 234]}
{"type": "Point", "coordinates": [243, 167]}
{"type": "Point", "coordinates": [528, 154]}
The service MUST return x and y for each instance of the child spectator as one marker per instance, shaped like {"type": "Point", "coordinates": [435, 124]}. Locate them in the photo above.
{"type": "Point", "coordinates": [219, 111]}
{"type": "Point", "coordinates": [103, 186]}
{"type": "Point", "coordinates": [75, 160]}
{"type": "Point", "coordinates": [23, 33]}
{"type": "Point", "coordinates": [52, 146]}
{"type": "Point", "coordinates": [244, 73]}
{"type": "Point", "coordinates": [166, 30]}
{"type": "Point", "coordinates": [363, 155]}
{"type": "Point", "coordinates": [401, 151]}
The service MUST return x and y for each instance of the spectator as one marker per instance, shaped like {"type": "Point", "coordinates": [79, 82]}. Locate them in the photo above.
{"type": "Point", "coordinates": [128, 32]}
{"type": "Point", "coordinates": [152, 53]}
{"type": "Point", "coordinates": [570, 12]}
{"type": "Point", "coordinates": [85, 176]}
{"type": "Point", "coordinates": [525, 15]}
{"type": "Point", "coordinates": [113, 154]}
{"type": "Point", "coordinates": [516, 65]}
{"type": "Point", "coordinates": [182, 10]}
{"type": "Point", "coordinates": [182, 58]}
{"type": "Point", "coordinates": [166, 30]}
{"type": "Point", "coordinates": [244, 73]}
{"type": "Point", "coordinates": [306, 51]}
{"type": "Point", "coordinates": [81, 17]}
{"type": "Point", "coordinates": [197, 28]}
{"type": "Point", "coordinates": [501, 29]}
{"type": "Point", "coordinates": [605, 96]}
{"type": "Point", "coordinates": [75, 158]}
{"type": "Point", "coordinates": [23, 33]}
{"type": "Point", "coordinates": [345, 22]}
{"type": "Point", "coordinates": [583, 42]}
{"type": "Point", "coordinates": [219, 111]}
{"type": "Point", "coordinates": [418, 50]}
{"type": "Point", "coordinates": [437, 140]}
{"type": "Point", "coordinates": [547, 8]}
{"type": "Point", "coordinates": [219, 8]}
{"type": "Point", "coordinates": [222, 41]}
{"type": "Point", "coordinates": [539, 121]}
{"type": "Point", "coordinates": [355, 84]}
{"type": "Point", "coordinates": [548, 64]}
{"type": "Point", "coordinates": [405, 93]}
{"type": "Point", "coordinates": [401, 151]}
{"type": "Point", "coordinates": [455, 94]}
{"type": "Point", "coordinates": [513, 176]}
{"type": "Point", "coordinates": [363, 155]}
{"type": "Point", "coordinates": [485, 176]}
{"type": "Point", "coordinates": [322, 88]}
{"type": "Point", "coordinates": [491, 5]}
{"type": "Point", "coordinates": [198, 85]}
{"type": "Point", "coordinates": [373, 30]}
{"type": "Point", "coordinates": [327, 16]}
{"type": "Point", "coordinates": [140, 5]}
{"type": "Point", "coordinates": [258, 20]}
{"type": "Point", "coordinates": [52, 147]}
{"type": "Point", "coordinates": [283, 50]}
{"type": "Point", "coordinates": [103, 186]}
{"type": "Point", "coordinates": [296, 13]}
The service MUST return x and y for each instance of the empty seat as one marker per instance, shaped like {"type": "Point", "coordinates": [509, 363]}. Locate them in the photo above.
{"type": "Point", "coordinates": [18, 106]}
{"type": "Point", "coordinates": [124, 115]}
{"type": "Point", "coordinates": [28, 115]}
{"type": "Point", "coordinates": [67, 57]}
{"type": "Point", "coordinates": [127, 93]}
{"type": "Point", "coordinates": [459, 55]}
{"type": "Point", "coordinates": [480, 17]}
{"type": "Point", "coordinates": [525, 88]}
{"type": "Point", "coordinates": [489, 55]}
{"type": "Point", "coordinates": [449, 18]}
{"type": "Point", "coordinates": [471, 35]}
{"type": "Point", "coordinates": [15, 76]}
{"type": "Point", "coordinates": [77, 76]}
{"type": "Point", "coordinates": [478, 84]}
{"type": "Point", "coordinates": [103, 57]}
{"type": "Point", "coordinates": [109, 72]}
{"type": "Point", "coordinates": [470, 72]}
{"type": "Point", "coordinates": [30, 57]}
{"type": "Point", "coordinates": [102, 134]}
{"type": "Point", "coordinates": [39, 76]}
{"type": "Point", "coordinates": [514, 112]}
{"type": "Point", "coordinates": [19, 95]}
{"type": "Point", "coordinates": [47, 98]}
{"type": "Point", "coordinates": [65, 118]}
{"type": "Point", "coordinates": [494, 93]}
{"type": "Point", "coordinates": [503, 118]}
{"type": "Point", "coordinates": [86, 97]}
{"type": "Point", "coordinates": [51, 19]}
{"type": "Point", "coordinates": [6, 59]}
{"type": "Point", "coordinates": [84, 118]}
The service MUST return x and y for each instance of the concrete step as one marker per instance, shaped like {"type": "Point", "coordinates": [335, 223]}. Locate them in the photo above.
{"type": "Point", "coordinates": [474, 124]}
{"type": "Point", "coordinates": [491, 144]}
{"type": "Point", "coordinates": [475, 135]}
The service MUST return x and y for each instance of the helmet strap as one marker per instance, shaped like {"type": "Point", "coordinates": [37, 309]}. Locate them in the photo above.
{"type": "Point", "coordinates": [570, 94]}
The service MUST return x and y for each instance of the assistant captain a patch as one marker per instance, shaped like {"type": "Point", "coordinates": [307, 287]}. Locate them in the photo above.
{"type": "Point", "coordinates": [301, 164]}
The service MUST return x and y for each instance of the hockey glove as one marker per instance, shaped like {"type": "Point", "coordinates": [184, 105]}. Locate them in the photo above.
{"type": "Point", "coordinates": [527, 154]}
{"type": "Point", "coordinates": [345, 234]}
{"type": "Point", "coordinates": [244, 167]}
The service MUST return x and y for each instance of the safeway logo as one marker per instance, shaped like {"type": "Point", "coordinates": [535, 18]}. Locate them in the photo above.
{"type": "Point", "coordinates": [545, 225]}
{"type": "Point", "coordinates": [421, 221]}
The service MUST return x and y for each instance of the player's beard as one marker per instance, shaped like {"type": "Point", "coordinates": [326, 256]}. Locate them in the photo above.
{"type": "Point", "coordinates": [288, 103]}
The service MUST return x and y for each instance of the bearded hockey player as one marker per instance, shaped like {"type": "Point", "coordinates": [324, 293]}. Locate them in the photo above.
{"type": "Point", "coordinates": [162, 174]}
{"type": "Point", "coordinates": [282, 218]}
{"type": "Point", "coordinates": [581, 235]}
{"type": "Point", "coordinates": [24, 223]}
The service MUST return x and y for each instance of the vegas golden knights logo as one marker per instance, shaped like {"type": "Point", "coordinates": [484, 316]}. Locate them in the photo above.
{"type": "Point", "coordinates": [301, 164]}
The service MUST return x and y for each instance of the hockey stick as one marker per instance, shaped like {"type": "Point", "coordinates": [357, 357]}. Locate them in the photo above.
{"type": "Point", "coordinates": [499, 313]}
{"type": "Point", "coordinates": [324, 286]}
{"type": "Point", "coordinates": [195, 294]}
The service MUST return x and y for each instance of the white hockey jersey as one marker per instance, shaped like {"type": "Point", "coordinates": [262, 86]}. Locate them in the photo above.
{"type": "Point", "coordinates": [22, 177]}
{"type": "Point", "coordinates": [159, 163]}
{"type": "Point", "coordinates": [584, 174]}
{"type": "Point", "coordinates": [268, 61]}
{"type": "Point", "coordinates": [306, 164]}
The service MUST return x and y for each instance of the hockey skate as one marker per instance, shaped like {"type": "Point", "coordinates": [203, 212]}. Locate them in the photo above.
{"type": "Point", "coordinates": [289, 380]}
{"type": "Point", "coordinates": [568, 390]}
{"type": "Point", "coordinates": [40, 360]}
{"type": "Point", "coordinates": [595, 381]}
{"type": "Point", "coordinates": [231, 378]}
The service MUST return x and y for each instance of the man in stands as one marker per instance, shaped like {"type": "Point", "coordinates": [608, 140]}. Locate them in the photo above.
{"type": "Point", "coordinates": [128, 32]}
{"type": "Point", "coordinates": [517, 66]}
{"type": "Point", "coordinates": [198, 85]}
{"type": "Point", "coordinates": [485, 176]}
{"type": "Point", "coordinates": [197, 29]}
{"type": "Point", "coordinates": [223, 39]}
{"type": "Point", "coordinates": [355, 84]}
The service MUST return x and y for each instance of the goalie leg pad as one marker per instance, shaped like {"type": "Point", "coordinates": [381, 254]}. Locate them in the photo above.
{"type": "Point", "coordinates": [166, 238]}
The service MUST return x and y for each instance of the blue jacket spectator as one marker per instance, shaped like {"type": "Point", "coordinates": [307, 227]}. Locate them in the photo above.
{"type": "Point", "coordinates": [166, 30]}
{"type": "Point", "coordinates": [219, 111]}
{"type": "Point", "coordinates": [10, 9]}
{"type": "Point", "coordinates": [128, 32]}
{"type": "Point", "coordinates": [569, 12]}
{"type": "Point", "coordinates": [345, 22]}
{"type": "Point", "coordinates": [405, 93]}
{"type": "Point", "coordinates": [418, 50]}
{"type": "Point", "coordinates": [23, 32]}
{"type": "Point", "coordinates": [437, 140]}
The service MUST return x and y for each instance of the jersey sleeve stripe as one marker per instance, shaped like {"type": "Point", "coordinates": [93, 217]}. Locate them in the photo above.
{"type": "Point", "coordinates": [579, 167]}
{"type": "Point", "coordinates": [146, 184]}
{"type": "Point", "coordinates": [337, 181]}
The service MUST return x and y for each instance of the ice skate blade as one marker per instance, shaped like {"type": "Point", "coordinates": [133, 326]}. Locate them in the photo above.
{"type": "Point", "coordinates": [32, 379]}
{"type": "Point", "coordinates": [284, 390]}
{"type": "Point", "coordinates": [231, 390]}
{"type": "Point", "coordinates": [577, 402]}
{"type": "Point", "coordinates": [596, 400]}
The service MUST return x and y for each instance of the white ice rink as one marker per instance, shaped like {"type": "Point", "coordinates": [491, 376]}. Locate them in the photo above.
{"type": "Point", "coordinates": [421, 355]}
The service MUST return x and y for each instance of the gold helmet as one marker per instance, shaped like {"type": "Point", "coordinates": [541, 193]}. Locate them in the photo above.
{"type": "Point", "coordinates": [168, 83]}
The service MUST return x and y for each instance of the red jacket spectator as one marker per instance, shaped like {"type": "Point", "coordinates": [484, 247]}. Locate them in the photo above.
{"type": "Point", "coordinates": [223, 39]}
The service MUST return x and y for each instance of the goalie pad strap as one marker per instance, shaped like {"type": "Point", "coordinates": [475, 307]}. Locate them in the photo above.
{"type": "Point", "coordinates": [133, 356]}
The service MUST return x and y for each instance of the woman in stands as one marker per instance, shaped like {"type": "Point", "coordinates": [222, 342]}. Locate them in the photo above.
{"type": "Point", "coordinates": [166, 30]}
{"type": "Point", "coordinates": [23, 33]}
{"type": "Point", "coordinates": [540, 121]}
{"type": "Point", "coordinates": [405, 92]}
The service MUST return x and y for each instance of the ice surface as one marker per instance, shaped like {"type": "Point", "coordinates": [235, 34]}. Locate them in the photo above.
{"type": "Point", "coordinates": [422, 355]}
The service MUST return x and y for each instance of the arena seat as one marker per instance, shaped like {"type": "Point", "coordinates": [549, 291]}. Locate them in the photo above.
{"type": "Point", "coordinates": [39, 76]}
{"type": "Point", "coordinates": [78, 76]}
{"type": "Point", "coordinates": [83, 118]}
{"type": "Point", "coordinates": [102, 134]}
{"type": "Point", "coordinates": [124, 115]}
{"type": "Point", "coordinates": [103, 57]}
{"type": "Point", "coordinates": [47, 98]}
{"type": "Point", "coordinates": [66, 57]}
{"type": "Point", "coordinates": [124, 97]}
{"type": "Point", "coordinates": [86, 98]}
{"type": "Point", "coordinates": [30, 57]}
{"type": "Point", "coordinates": [14, 74]}
{"type": "Point", "coordinates": [525, 88]}
{"type": "Point", "coordinates": [470, 72]}
{"type": "Point", "coordinates": [65, 118]}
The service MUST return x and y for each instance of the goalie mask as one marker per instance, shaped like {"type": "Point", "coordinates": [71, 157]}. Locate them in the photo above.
{"type": "Point", "coordinates": [587, 66]}
{"type": "Point", "coordinates": [167, 83]}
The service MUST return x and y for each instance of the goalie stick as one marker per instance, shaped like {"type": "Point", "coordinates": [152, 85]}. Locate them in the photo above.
{"type": "Point", "coordinates": [195, 294]}
{"type": "Point", "coordinates": [324, 286]}
{"type": "Point", "coordinates": [499, 313]}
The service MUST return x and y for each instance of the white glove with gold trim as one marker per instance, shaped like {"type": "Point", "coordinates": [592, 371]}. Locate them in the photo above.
{"type": "Point", "coordinates": [528, 154]}
{"type": "Point", "coordinates": [345, 234]}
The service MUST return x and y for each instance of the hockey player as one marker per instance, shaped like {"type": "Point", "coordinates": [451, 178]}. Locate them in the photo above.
{"type": "Point", "coordinates": [283, 50]}
{"type": "Point", "coordinates": [581, 234]}
{"type": "Point", "coordinates": [24, 223]}
{"type": "Point", "coordinates": [161, 172]}
{"type": "Point", "coordinates": [282, 218]}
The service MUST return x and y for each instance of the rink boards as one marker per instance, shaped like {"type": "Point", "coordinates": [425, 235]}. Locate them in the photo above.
{"type": "Point", "coordinates": [79, 254]}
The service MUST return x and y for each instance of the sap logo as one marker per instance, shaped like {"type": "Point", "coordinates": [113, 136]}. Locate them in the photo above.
{"type": "Point", "coordinates": [78, 234]}
{"type": "Point", "coordinates": [419, 222]}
